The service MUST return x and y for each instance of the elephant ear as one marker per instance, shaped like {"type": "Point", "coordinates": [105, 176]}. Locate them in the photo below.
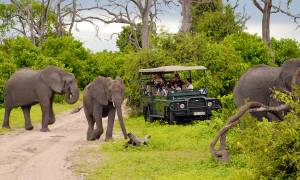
{"type": "Point", "coordinates": [100, 91]}
{"type": "Point", "coordinates": [53, 79]}
{"type": "Point", "coordinates": [284, 82]}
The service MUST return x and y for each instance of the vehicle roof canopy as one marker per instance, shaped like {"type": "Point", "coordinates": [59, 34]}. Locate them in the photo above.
{"type": "Point", "coordinates": [168, 69]}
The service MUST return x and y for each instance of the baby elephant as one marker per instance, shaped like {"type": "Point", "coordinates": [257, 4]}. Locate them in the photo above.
{"type": "Point", "coordinates": [27, 87]}
{"type": "Point", "coordinates": [102, 98]}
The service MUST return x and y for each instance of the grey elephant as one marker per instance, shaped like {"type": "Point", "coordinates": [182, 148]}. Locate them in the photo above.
{"type": "Point", "coordinates": [103, 97]}
{"type": "Point", "coordinates": [258, 83]}
{"type": "Point", "coordinates": [27, 87]}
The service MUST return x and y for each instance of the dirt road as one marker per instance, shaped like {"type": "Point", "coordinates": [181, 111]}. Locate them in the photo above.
{"type": "Point", "coordinates": [34, 155]}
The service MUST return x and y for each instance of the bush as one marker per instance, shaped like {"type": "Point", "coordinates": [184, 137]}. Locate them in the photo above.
{"type": "Point", "coordinates": [252, 48]}
{"type": "Point", "coordinates": [273, 147]}
{"type": "Point", "coordinates": [7, 68]}
{"type": "Point", "coordinates": [22, 51]}
{"type": "Point", "coordinates": [217, 25]}
{"type": "Point", "coordinates": [285, 49]}
{"type": "Point", "coordinates": [108, 64]}
{"type": "Point", "coordinates": [224, 67]}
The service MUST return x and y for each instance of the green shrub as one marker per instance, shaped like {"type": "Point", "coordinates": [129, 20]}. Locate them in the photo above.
{"type": "Point", "coordinates": [252, 48]}
{"type": "Point", "coordinates": [224, 67]}
{"type": "Point", "coordinates": [7, 68]}
{"type": "Point", "coordinates": [217, 25]}
{"type": "Point", "coordinates": [22, 51]}
{"type": "Point", "coordinates": [273, 146]}
{"type": "Point", "coordinates": [285, 49]}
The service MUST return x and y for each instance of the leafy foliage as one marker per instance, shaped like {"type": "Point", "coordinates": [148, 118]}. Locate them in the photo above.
{"type": "Point", "coordinates": [252, 48]}
{"type": "Point", "coordinates": [285, 49]}
{"type": "Point", "coordinates": [217, 25]}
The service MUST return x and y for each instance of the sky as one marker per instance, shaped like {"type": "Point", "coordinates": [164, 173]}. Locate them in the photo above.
{"type": "Point", "coordinates": [281, 26]}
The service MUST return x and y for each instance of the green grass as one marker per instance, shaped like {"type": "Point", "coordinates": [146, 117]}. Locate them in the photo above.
{"type": "Point", "coordinates": [17, 117]}
{"type": "Point", "coordinates": [174, 152]}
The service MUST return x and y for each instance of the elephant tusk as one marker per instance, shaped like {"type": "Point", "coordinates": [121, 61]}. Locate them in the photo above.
{"type": "Point", "coordinates": [113, 104]}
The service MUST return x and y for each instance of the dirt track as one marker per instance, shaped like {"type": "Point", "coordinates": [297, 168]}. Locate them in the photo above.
{"type": "Point", "coordinates": [34, 155]}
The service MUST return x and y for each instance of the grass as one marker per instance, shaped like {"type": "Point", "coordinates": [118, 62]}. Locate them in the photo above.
{"type": "Point", "coordinates": [17, 117]}
{"type": "Point", "coordinates": [174, 152]}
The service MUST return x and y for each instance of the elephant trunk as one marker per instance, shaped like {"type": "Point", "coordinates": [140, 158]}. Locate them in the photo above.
{"type": "Point", "coordinates": [71, 95]}
{"type": "Point", "coordinates": [121, 120]}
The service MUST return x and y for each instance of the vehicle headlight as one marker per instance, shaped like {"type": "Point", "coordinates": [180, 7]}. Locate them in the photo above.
{"type": "Point", "coordinates": [209, 104]}
{"type": "Point", "coordinates": [182, 106]}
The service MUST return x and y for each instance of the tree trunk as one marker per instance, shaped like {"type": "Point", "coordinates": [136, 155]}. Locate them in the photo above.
{"type": "Point", "coordinates": [44, 15]}
{"type": "Point", "coordinates": [266, 22]}
{"type": "Point", "coordinates": [186, 13]}
{"type": "Point", "coordinates": [73, 16]}
{"type": "Point", "coordinates": [30, 20]}
{"type": "Point", "coordinates": [59, 19]}
{"type": "Point", "coordinates": [145, 12]}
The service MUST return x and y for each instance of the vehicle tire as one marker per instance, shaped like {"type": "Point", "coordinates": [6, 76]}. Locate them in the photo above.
{"type": "Point", "coordinates": [147, 116]}
{"type": "Point", "coordinates": [171, 117]}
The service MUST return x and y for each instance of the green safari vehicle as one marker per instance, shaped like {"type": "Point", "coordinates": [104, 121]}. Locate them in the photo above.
{"type": "Point", "coordinates": [165, 100]}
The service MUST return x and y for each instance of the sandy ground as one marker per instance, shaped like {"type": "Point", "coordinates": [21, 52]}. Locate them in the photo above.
{"type": "Point", "coordinates": [34, 155]}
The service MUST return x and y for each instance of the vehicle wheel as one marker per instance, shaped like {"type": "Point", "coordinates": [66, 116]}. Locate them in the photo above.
{"type": "Point", "coordinates": [147, 116]}
{"type": "Point", "coordinates": [171, 118]}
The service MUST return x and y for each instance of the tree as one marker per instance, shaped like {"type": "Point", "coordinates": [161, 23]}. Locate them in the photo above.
{"type": "Point", "coordinates": [130, 12]}
{"type": "Point", "coordinates": [266, 7]}
{"type": "Point", "coordinates": [37, 19]}
{"type": "Point", "coordinates": [190, 7]}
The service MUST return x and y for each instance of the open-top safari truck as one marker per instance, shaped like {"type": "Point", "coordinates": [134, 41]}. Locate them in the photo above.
{"type": "Point", "coordinates": [162, 101]}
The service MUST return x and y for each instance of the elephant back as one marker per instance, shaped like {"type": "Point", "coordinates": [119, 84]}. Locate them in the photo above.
{"type": "Point", "coordinates": [256, 84]}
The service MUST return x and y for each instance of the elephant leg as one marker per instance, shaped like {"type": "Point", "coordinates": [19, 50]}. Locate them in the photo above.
{"type": "Point", "coordinates": [45, 106]}
{"type": "Point", "coordinates": [110, 124]}
{"type": "Point", "coordinates": [97, 116]}
{"type": "Point", "coordinates": [275, 116]}
{"type": "Point", "coordinates": [26, 112]}
{"type": "Point", "coordinates": [51, 115]}
{"type": "Point", "coordinates": [6, 118]}
{"type": "Point", "coordinates": [90, 130]}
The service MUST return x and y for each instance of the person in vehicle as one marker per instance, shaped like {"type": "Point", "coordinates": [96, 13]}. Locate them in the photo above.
{"type": "Point", "coordinates": [188, 84]}
{"type": "Point", "coordinates": [177, 80]}
{"type": "Point", "coordinates": [176, 86]}
{"type": "Point", "coordinates": [158, 82]}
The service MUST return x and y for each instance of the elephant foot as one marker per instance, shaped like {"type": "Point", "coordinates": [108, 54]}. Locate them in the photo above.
{"type": "Point", "coordinates": [90, 139]}
{"type": "Point", "coordinates": [29, 127]}
{"type": "Point", "coordinates": [44, 129]}
{"type": "Point", "coordinates": [51, 122]}
{"type": "Point", "coordinates": [6, 126]}
{"type": "Point", "coordinates": [108, 139]}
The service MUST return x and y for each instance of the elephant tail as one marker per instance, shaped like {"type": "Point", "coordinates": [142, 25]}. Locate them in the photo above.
{"type": "Point", "coordinates": [76, 110]}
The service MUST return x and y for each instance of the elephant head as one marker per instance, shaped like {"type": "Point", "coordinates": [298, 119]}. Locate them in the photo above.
{"type": "Point", "coordinates": [61, 82]}
{"type": "Point", "coordinates": [288, 75]}
{"type": "Point", "coordinates": [116, 94]}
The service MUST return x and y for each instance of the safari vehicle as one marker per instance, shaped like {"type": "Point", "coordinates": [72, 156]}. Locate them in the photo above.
{"type": "Point", "coordinates": [174, 105]}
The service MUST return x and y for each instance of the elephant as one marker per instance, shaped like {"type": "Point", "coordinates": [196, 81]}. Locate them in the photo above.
{"type": "Point", "coordinates": [27, 87]}
{"type": "Point", "coordinates": [102, 98]}
{"type": "Point", "coordinates": [258, 83]}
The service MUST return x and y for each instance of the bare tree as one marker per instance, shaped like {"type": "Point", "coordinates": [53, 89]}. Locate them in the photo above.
{"type": "Point", "coordinates": [45, 6]}
{"type": "Point", "coordinates": [130, 12]}
{"type": "Point", "coordinates": [267, 7]}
